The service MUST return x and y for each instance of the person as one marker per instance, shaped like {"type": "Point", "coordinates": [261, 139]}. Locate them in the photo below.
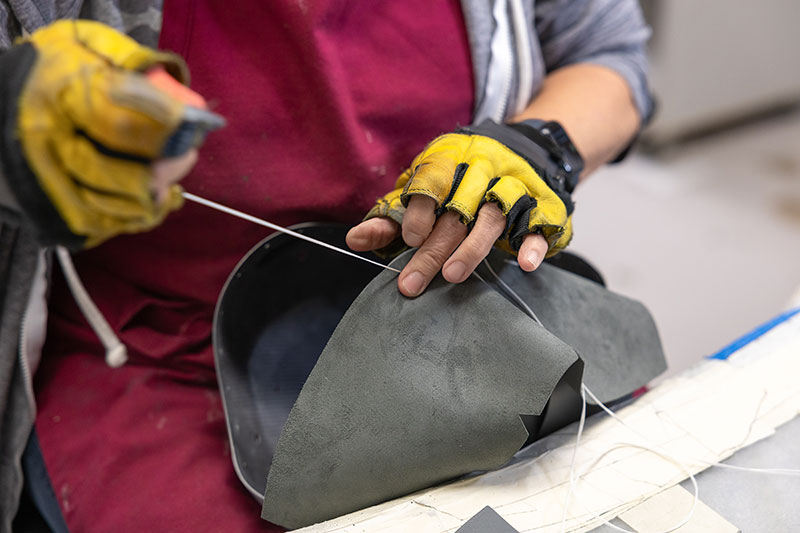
{"type": "Point", "coordinates": [326, 104]}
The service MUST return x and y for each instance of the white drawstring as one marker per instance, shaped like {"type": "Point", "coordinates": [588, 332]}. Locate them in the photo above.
{"type": "Point", "coordinates": [116, 353]}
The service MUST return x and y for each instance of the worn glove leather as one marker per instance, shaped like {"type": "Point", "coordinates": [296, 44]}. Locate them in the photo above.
{"type": "Point", "coordinates": [489, 163]}
{"type": "Point", "coordinates": [81, 125]}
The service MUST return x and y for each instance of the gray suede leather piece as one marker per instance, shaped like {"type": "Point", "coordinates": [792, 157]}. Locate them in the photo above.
{"type": "Point", "coordinates": [409, 393]}
{"type": "Point", "coordinates": [615, 336]}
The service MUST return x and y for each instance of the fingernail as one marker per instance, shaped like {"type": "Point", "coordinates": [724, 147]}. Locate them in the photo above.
{"type": "Point", "coordinates": [455, 271]}
{"type": "Point", "coordinates": [414, 283]}
{"type": "Point", "coordinates": [534, 257]}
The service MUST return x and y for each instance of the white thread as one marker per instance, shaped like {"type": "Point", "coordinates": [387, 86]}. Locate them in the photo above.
{"type": "Point", "coordinates": [585, 390]}
{"type": "Point", "coordinates": [574, 460]}
{"type": "Point", "coordinates": [529, 311]}
{"type": "Point", "coordinates": [287, 231]}
{"type": "Point", "coordinates": [755, 470]}
{"type": "Point", "coordinates": [513, 293]}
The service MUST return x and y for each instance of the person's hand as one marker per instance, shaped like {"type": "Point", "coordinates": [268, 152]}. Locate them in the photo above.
{"type": "Point", "coordinates": [167, 172]}
{"type": "Point", "coordinates": [468, 191]}
{"type": "Point", "coordinates": [92, 136]}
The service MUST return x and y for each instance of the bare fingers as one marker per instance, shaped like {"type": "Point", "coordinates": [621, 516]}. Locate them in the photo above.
{"type": "Point", "coordinates": [447, 233]}
{"type": "Point", "coordinates": [532, 252]}
{"type": "Point", "coordinates": [477, 245]}
{"type": "Point", "coordinates": [372, 234]}
{"type": "Point", "coordinates": [418, 220]}
{"type": "Point", "coordinates": [167, 172]}
{"type": "Point", "coordinates": [444, 243]}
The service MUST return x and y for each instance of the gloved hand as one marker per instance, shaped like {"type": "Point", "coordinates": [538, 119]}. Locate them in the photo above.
{"type": "Point", "coordinates": [527, 170]}
{"type": "Point", "coordinates": [83, 128]}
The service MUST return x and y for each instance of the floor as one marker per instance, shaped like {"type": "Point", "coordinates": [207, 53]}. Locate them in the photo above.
{"type": "Point", "coordinates": [707, 236]}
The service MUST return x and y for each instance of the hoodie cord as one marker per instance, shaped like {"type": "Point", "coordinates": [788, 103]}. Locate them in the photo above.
{"type": "Point", "coordinates": [116, 353]}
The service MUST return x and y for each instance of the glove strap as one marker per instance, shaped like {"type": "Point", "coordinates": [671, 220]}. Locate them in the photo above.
{"type": "Point", "coordinates": [552, 137]}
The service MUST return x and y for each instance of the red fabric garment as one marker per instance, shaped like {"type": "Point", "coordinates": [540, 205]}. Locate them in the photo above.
{"type": "Point", "coordinates": [327, 101]}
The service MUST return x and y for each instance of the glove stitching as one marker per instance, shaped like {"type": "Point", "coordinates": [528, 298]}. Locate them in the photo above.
{"type": "Point", "coordinates": [462, 210]}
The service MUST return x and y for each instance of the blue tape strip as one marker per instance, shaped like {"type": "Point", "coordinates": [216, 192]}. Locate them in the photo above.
{"type": "Point", "coordinates": [753, 335]}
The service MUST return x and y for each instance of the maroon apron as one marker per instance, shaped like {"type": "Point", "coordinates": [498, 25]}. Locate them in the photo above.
{"type": "Point", "coordinates": [327, 102]}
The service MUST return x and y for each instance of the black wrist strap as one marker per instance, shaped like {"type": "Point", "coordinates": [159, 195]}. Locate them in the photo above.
{"type": "Point", "coordinates": [552, 136]}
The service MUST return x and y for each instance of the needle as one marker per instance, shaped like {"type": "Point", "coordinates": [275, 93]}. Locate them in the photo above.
{"type": "Point", "coordinates": [260, 222]}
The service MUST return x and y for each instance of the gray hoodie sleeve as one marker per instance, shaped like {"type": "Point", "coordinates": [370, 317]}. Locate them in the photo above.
{"type": "Point", "coordinates": [9, 27]}
{"type": "Point", "coordinates": [611, 33]}
{"type": "Point", "coordinates": [9, 30]}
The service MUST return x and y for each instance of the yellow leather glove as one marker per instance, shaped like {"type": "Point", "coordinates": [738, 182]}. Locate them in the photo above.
{"type": "Point", "coordinates": [81, 125]}
{"type": "Point", "coordinates": [528, 170]}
